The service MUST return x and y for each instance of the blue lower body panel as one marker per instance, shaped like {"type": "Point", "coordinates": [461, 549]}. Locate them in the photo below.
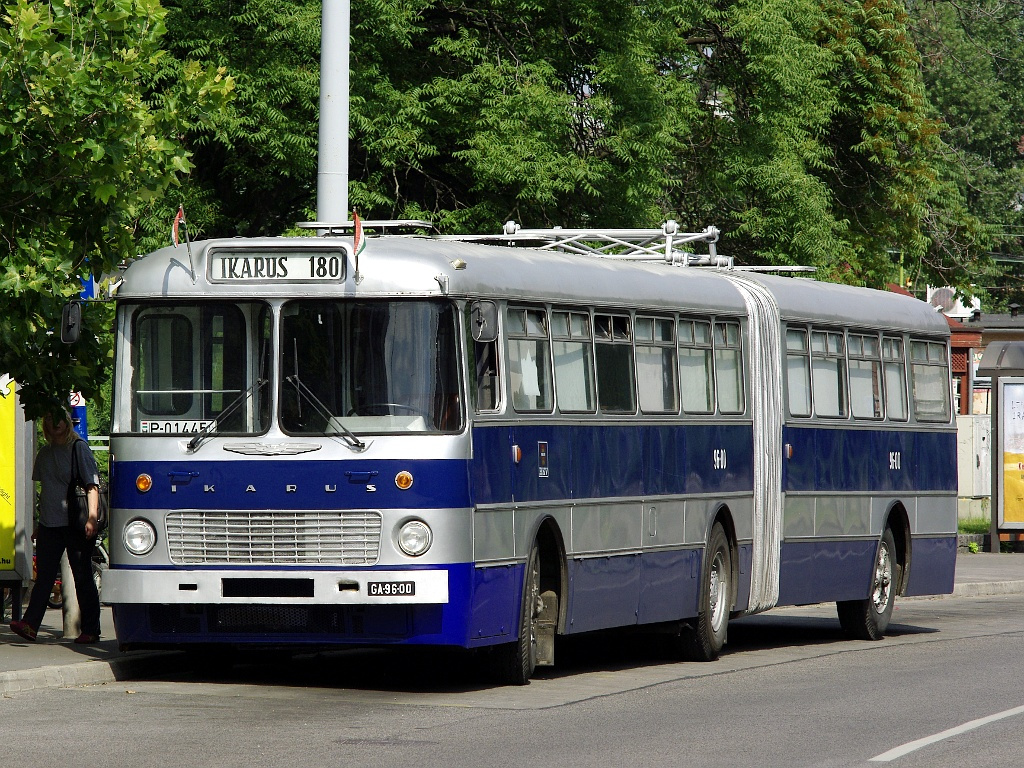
{"type": "Point", "coordinates": [627, 590]}
{"type": "Point", "coordinates": [932, 566]}
{"type": "Point", "coordinates": [827, 571]}
{"type": "Point", "coordinates": [823, 571]}
{"type": "Point", "coordinates": [481, 610]}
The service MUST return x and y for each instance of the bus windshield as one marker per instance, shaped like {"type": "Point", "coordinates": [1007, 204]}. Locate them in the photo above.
{"type": "Point", "coordinates": [201, 367]}
{"type": "Point", "coordinates": [369, 367]}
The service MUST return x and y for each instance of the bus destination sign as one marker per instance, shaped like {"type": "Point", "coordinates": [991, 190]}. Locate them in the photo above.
{"type": "Point", "coordinates": [276, 266]}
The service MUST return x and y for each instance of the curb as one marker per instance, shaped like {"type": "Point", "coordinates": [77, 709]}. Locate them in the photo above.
{"type": "Point", "coordinates": [981, 589]}
{"type": "Point", "coordinates": [95, 672]}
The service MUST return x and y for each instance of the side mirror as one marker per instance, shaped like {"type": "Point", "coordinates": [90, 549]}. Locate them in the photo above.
{"type": "Point", "coordinates": [484, 319]}
{"type": "Point", "coordinates": [71, 322]}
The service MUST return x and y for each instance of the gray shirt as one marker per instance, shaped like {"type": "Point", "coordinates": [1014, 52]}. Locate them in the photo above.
{"type": "Point", "coordinates": [53, 471]}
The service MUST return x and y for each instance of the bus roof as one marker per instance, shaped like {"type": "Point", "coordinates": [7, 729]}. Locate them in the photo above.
{"type": "Point", "coordinates": [413, 266]}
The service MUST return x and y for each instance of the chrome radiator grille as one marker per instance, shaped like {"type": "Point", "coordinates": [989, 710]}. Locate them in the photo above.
{"type": "Point", "coordinates": [324, 537]}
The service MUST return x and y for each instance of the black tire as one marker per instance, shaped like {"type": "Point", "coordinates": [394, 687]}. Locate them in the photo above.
{"type": "Point", "coordinates": [869, 618]}
{"type": "Point", "coordinates": [514, 663]}
{"type": "Point", "coordinates": [705, 639]}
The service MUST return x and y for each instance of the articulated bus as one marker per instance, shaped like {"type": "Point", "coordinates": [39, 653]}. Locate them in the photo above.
{"type": "Point", "coordinates": [488, 445]}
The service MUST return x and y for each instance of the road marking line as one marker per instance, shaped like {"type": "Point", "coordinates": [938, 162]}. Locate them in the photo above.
{"type": "Point", "coordinates": [911, 746]}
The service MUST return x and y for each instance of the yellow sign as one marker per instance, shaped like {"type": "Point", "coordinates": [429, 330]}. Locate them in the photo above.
{"type": "Point", "coordinates": [8, 471]}
{"type": "Point", "coordinates": [1012, 418]}
{"type": "Point", "coordinates": [1013, 487]}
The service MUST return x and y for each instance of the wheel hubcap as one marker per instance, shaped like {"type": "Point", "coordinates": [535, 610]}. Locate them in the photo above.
{"type": "Point", "coordinates": [883, 580]}
{"type": "Point", "coordinates": [716, 586]}
{"type": "Point", "coordinates": [534, 606]}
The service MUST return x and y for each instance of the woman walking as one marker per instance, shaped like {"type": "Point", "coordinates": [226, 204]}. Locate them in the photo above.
{"type": "Point", "coordinates": [53, 534]}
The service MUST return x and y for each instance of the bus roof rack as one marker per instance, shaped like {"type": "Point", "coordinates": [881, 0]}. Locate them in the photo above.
{"type": "Point", "coordinates": [627, 244]}
{"type": "Point", "coordinates": [633, 245]}
{"type": "Point", "coordinates": [663, 244]}
{"type": "Point", "coordinates": [329, 228]}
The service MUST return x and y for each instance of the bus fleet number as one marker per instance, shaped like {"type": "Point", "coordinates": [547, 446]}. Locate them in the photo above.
{"type": "Point", "coordinates": [324, 266]}
{"type": "Point", "coordinates": [718, 458]}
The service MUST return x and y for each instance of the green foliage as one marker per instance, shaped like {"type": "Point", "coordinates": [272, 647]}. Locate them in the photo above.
{"type": "Point", "coordinates": [973, 68]}
{"type": "Point", "coordinates": [253, 164]}
{"type": "Point", "coordinates": [974, 525]}
{"type": "Point", "coordinates": [800, 128]}
{"type": "Point", "coordinates": [754, 140]}
{"type": "Point", "coordinates": [471, 115]}
{"type": "Point", "coordinates": [81, 154]}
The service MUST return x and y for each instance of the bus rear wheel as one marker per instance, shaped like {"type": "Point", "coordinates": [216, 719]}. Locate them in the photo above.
{"type": "Point", "coordinates": [705, 639]}
{"type": "Point", "coordinates": [869, 618]}
{"type": "Point", "coordinates": [515, 663]}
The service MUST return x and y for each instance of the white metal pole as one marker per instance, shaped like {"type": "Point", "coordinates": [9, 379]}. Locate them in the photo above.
{"type": "Point", "coordinates": [332, 163]}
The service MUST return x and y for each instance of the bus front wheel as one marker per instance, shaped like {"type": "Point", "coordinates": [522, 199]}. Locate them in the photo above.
{"type": "Point", "coordinates": [514, 663]}
{"type": "Point", "coordinates": [869, 618]}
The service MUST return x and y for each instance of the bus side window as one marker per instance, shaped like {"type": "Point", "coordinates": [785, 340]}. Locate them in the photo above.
{"type": "Point", "coordinates": [616, 388]}
{"type": "Point", "coordinates": [798, 372]}
{"type": "Point", "coordinates": [895, 378]}
{"type": "Point", "coordinates": [656, 367]}
{"type": "Point", "coordinates": [483, 367]}
{"type": "Point", "coordinates": [695, 368]}
{"type": "Point", "coordinates": [528, 360]}
{"type": "Point", "coordinates": [573, 348]}
{"type": "Point", "coordinates": [828, 374]}
{"type": "Point", "coordinates": [728, 367]}
{"type": "Point", "coordinates": [865, 376]}
{"type": "Point", "coordinates": [929, 373]}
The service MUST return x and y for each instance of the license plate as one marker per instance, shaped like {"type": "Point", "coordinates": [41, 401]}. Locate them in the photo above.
{"type": "Point", "coordinates": [391, 588]}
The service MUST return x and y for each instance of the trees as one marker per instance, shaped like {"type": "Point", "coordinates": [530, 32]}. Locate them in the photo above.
{"type": "Point", "coordinates": [253, 169]}
{"type": "Point", "coordinates": [754, 144]}
{"type": "Point", "coordinates": [800, 128]}
{"type": "Point", "coordinates": [81, 154]}
{"type": "Point", "coordinates": [889, 177]}
{"type": "Point", "coordinates": [973, 69]}
{"type": "Point", "coordinates": [803, 129]}
{"type": "Point", "coordinates": [548, 114]}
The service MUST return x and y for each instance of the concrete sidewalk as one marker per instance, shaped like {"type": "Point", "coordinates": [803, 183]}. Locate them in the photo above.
{"type": "Point", "coordinates": [52, 662]}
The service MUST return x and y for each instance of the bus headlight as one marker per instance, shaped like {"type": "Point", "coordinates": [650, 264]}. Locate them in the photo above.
{"type": "Point", "coordinates": [414, 538]}
{"type": "Point", "coordinates": [139, 537]}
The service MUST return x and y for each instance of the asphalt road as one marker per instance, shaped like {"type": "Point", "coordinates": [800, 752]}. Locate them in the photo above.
{"type": "Point", "coordinates": [941, 690]}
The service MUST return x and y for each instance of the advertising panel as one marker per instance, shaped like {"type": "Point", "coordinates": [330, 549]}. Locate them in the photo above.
{"type": "Point", "coordinates": [1011, 433]}
{"type": "Point", "coordinates": [8, 471]}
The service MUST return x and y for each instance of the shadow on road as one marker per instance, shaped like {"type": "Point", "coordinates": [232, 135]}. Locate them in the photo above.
{"type": "Point", "coordinates": [430, 670]}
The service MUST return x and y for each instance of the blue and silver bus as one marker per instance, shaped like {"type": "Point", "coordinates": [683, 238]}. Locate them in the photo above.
{"type": "Point", "coordinates": [486, 446]}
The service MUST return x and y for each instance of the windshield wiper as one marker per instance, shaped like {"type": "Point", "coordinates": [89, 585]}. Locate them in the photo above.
{"type": "Point", "coordinates": [206, 431]}
{"type": "Point", "coordinates": [332, 421]}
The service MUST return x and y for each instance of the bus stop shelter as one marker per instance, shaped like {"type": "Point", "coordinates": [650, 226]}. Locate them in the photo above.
{"type": "Point", "coordinates": [1003, 361]}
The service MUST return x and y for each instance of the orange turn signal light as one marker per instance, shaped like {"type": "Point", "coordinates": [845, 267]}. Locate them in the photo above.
{"type": "Point", "coordinates": [404, 480]}
{"type": "Point", "coordinates": [143, 482]}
